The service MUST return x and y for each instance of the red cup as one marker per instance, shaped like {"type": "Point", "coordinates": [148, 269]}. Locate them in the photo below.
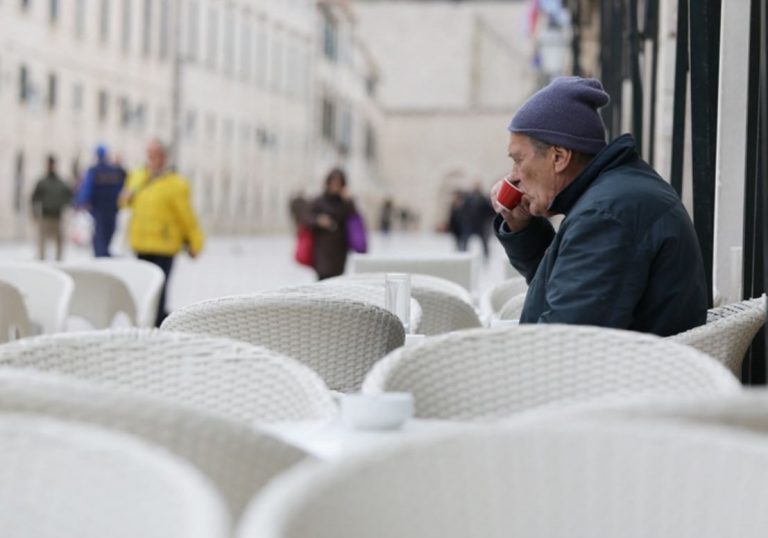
{"type": "Point", "coordinates": [509, 195]}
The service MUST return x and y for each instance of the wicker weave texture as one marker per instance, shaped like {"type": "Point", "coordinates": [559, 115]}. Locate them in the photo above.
{"type": "Point", "coordinates": [68, 479]}
{"type": "Point", "coordinates": [237, 459]}
{"type": "Point", "coordinates": [339, 339]}
{"type": "Point", "coordinates": [233, 379]}
{"type": "Point", "coordinates": [489, 374]}
{"type": "Point", "coordinates": [445, 305]}
{"type": "Point", "coordinates": [579, 480]}
{"type": "Point", "coordinates": [728, 332]}
{"type": "Point", "coordinates": [360, 292]}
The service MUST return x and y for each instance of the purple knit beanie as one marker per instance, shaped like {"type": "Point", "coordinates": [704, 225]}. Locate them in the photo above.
{"type": "Point", "coordinates": [564, 113]}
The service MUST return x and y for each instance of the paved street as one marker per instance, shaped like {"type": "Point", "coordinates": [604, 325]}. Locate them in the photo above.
{"type": "Point", "coordinates": [235, 265]}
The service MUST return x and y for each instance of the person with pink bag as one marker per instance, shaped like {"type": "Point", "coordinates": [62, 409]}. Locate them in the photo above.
{"type": "Point", "coordinates": [336, 226]}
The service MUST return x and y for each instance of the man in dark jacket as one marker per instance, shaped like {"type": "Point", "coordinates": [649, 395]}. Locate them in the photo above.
{"type": "Point", "coordinates": [626, 254]}
{"type": "Point", "coordinates": [99, 193]}
{"type": "Point", "coordinates": [49, 199]}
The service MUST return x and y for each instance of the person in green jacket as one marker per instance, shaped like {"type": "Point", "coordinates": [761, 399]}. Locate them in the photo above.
{"type": "Point", "coordinates": [49, 199]}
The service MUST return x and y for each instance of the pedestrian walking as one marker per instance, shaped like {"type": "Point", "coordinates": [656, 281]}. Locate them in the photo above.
{"type": "Point", "coordinates": [99, 194]}
{"type": "Point", "coordinates": [49, 199]}
{"type": "Point", "coordinates": [163, 222]}
{"type": "Point", "coordinates": [328, 218]}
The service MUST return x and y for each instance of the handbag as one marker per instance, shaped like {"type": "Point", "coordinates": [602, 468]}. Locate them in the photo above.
{"type": "Point", "coordinates": [305, 246]}
{"type": "Point", "coordinates": [357, 239]}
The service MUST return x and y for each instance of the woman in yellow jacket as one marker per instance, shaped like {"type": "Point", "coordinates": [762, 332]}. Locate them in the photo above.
{"type": "Point", "coordinates": [162, 219]}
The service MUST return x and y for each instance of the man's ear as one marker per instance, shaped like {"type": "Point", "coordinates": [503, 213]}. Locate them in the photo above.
{"type": "Point", "coordinates": [562, 158]}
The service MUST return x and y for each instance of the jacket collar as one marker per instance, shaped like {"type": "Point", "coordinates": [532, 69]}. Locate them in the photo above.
{"type": "Point", "coordinates": [614, 154]}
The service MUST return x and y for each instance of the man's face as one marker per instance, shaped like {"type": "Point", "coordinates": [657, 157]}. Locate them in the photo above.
{"type": "Point", "coordinates": [155, 156]}
{"type": "Point", "coordinates": [533, 172]}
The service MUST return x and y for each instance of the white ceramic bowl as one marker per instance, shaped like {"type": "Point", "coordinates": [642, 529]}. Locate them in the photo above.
{"type": "Point", "coordinates": [383, 411]}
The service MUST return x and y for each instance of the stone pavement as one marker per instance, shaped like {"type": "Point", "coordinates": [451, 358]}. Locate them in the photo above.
{"type": "Point", "coordinates": [244, 264]}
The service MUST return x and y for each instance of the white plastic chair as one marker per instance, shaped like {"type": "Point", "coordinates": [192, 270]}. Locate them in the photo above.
{"type": "Point", "coordinates": [584, 479]}
{"type": "Point", "coordinates": [144, 280]}
{"type": "Point", "coordinates": [340, 339]}
{"type": "Point", "coordinates": [237, 459]}
{"type": "Point", "coordinates": [14, 322]}
{"type": "Point", "coordinates": [728, 332]}
{"type": "Point", "coordinates": [99, 296]}
{"type": "Point", "coordinates": [513, 308]}
{"type": "Point", "coordinates": [62, 478]}
{"type": "Point", "coordinates": [488, 374]}
{"type": "Point", "coordinates": [46, 292]}
{"type": "Point", "coordinates": [229, 378]}
{"type": "Point", "coordinates": [445, 305]}
{"type": "Point", "coordinates": [456, 267]}
{"type": "Point", "coordinates": [494, 299]}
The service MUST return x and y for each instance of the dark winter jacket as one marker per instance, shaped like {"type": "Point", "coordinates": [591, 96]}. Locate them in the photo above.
{"type": "Point", "coordinates": [626, 255]}
{"type": "Point", "coordinates": [331, 245]}
{"type": "Point", "coordinates": [50, 197]}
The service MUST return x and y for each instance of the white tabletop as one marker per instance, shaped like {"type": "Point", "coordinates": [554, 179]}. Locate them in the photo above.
{"type": "Point", "coordinates": [333, 441]}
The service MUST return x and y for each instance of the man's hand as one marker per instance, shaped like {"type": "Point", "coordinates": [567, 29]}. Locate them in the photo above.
{"type": "Point", "coordinates": [518, 218]}
{"type": "Point", "coordinates": [325, 221]}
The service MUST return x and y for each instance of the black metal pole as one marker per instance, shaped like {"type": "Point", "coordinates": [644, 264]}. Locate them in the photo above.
{"type": "Point", "coordinates": [680, 96]}
{"type": "Point", "coordinates": [634, 69]}
{"type": "Point", "coordinates": [652, 33]}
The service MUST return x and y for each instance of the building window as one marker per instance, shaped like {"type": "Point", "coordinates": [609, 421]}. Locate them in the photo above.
{"type": "Point", "coordinates": [330, 37]}
{"type": "Point", "coordinates": [80, 18]}
{"type": "Point", "coordinates": [104, 21]}
{"type": "Point", "coordinates": [52, 87]}
{"type": "Point", "coordinates": [18, 183]}
{"type": "Point", "coordinates": [24, 86]}
{"type": "Point", "coordinates": [213, 38]}
{"type": "Point", "coordinates": [103, 106]}
{"type": "Point", "coordinates": [276, 76]}
{"type": "Point", "coordinates": [210, 126]}
{"type": "Point", "coordinates": [190, 124]}
{"type": "Point", "coordinates": [53, 11]}
{"type": "Point", "coordinates": [370, 143]}
{"type": "Point", "coordinates": [126, 37]}
{"type": "Point", "coordinates": [140, 116]}
{"type": "Point", "coordinates": [77, 97]}
{"type": "Point", "coordinates": [229, 41]}
{"type": "Point", "coordinates": [125, 112]}
{"type": "Point", "coordinates": [164, 30]}
{"type": "Point", "coordinates": [328, 120]}
{"type": "Point", "coordinates": [24, 4]}
{"type": "Point", "coordinates": [146, 30]}
{"type": "Point", "coordinates": [193, 27]}
{"type": "Point", "coordinates": [261, 52]}
{"type": "Point", "coordinates": [245, 49]}
{"type": "Point", "coordinates": [345, 131]}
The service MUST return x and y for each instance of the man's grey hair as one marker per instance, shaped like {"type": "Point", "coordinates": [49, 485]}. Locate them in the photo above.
{"type": "Point", "coordinates": [538, 146]}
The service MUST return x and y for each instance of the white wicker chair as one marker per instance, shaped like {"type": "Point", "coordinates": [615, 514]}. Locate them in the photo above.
{"type": "Point", "coordinates": [14, 322]}
{"type": "Point", "coordinates": [490, 374]}
{"type": "Point", "coordinates": [513, 308]}
{"type": "Point", "coordinates": [99, 296]}
{"type": "Point", "coordinates": [583, 479]}
{"type": "Point", "coordinates": [46, 291]}
{"type": "Point", "coordinates": [233, 379]}
{"type": "Point", "coordinates": [445, 305]}
{"type": "Point", "coordinates": [69, 479]}
{"type": "Point", "coordinates": [144, 280]}
{"type": "Point", "coordinates": [237, 459]}
{"type": "Point", "coordinates": [339, 339]}
{"type": "Point", "coordinates": [354, 292]}
{"type": "Point", "coordinates": [456, 267]}
{"type": "Point", "coordinates": [728, 332]}
{"type": "Point", "coordinates": [494, 299]}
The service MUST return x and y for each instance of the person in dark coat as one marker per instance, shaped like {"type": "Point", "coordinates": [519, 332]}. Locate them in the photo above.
{"type": "Point", "coordinates": [477, 215]}
{"type": "Point", "coordinates": [49, 199]}
{"type": "Point", "coordinates": [626, 254]}
{"type": "Point", "coordinates": [328, 218]}
{"type": "Point", "coordinates": [99, 192]}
